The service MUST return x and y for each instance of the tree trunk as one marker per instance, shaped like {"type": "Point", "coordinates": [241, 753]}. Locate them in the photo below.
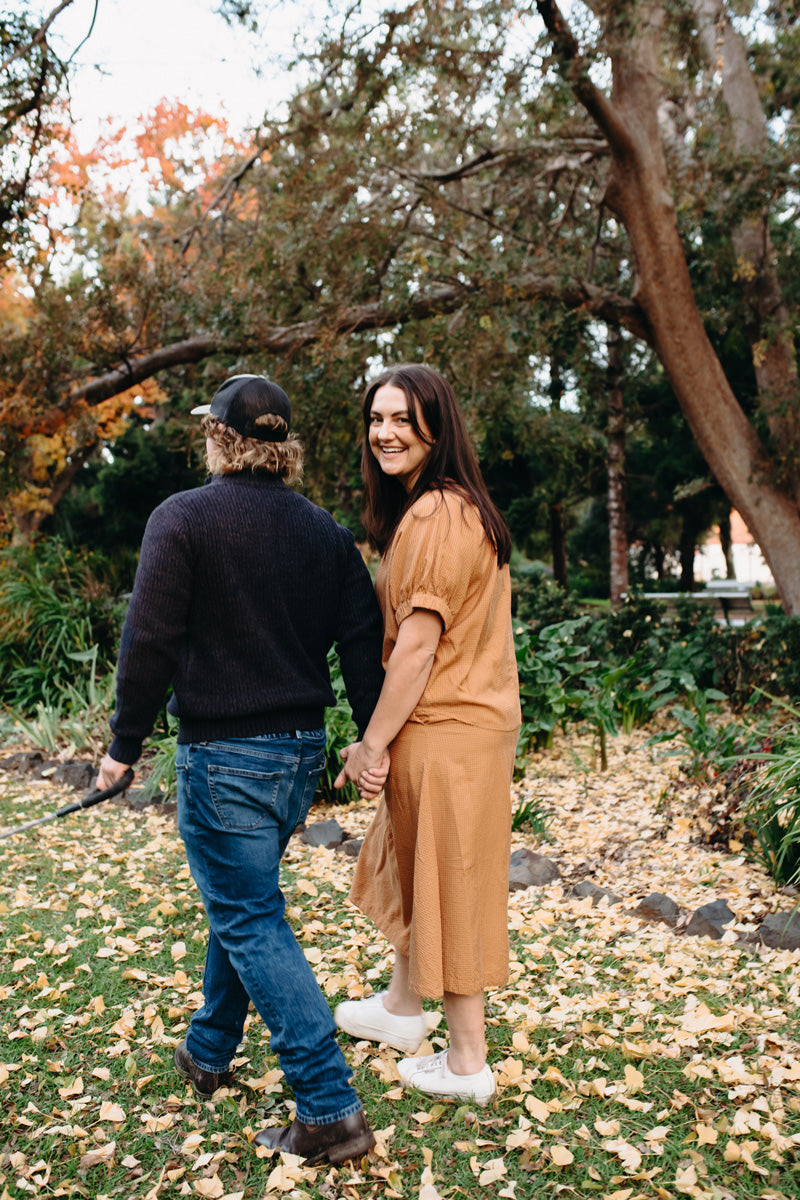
{"type": "Point", "coordinates": [639, 193]}
{"type": "Point", "coordinates": [688, 545]}
{"type": "Point", "coordinates": [726, 545]}
{"type": "Point", "coordinates": [659, 562]}
{"type": "Point", "coordinates": [617, 511]}
{"type": "Point", "coordinates": [769, 327]}
{"type": "Point", "coordinates": [558, 545]}
{"type": "Point", "coordinates": [558, 532]}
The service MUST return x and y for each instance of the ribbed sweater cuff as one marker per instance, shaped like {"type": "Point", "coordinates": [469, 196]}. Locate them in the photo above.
{"type": "Point", "coordinates": [125, 750]}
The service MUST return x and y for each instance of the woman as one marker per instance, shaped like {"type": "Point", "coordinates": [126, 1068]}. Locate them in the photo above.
{"type": "Point", "coordinates": [433, 870]}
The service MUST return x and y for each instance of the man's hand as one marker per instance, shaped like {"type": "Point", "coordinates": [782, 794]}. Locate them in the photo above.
{"type": "Point", "coordinates": [110, 771]}
{"type": "Point", "coordinates": [367, 770]}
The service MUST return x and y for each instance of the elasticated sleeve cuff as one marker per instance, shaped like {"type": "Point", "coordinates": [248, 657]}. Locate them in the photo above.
{"type": "Point", "coordinates": [125, 750]}
{"type": "Point", "coordinates": [425, 600]}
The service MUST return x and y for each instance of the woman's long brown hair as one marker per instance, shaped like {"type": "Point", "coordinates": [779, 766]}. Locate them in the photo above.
{"type": "Point", "coordinates": [451, 464]}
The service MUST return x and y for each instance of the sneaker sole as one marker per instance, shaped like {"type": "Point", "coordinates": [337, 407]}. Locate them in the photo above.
{"type": "Point", "coordinates": [370, 1034]}
{"type": "Point", "coordinates": [482, 1101]}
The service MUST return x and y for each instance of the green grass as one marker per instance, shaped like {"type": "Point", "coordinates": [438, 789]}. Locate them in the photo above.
{"type": "Point", "coordinates": [101, 951]}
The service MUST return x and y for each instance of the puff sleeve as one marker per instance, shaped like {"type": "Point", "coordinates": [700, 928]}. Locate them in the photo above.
{"type": "Point", "coordinates": [436, 553]}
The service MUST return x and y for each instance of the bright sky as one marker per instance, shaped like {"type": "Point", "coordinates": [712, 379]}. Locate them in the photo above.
{"type": "Point", "coordinates": [141, 51]}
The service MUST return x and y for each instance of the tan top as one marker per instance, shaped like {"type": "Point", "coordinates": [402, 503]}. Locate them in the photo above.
{"type": "Point", "coordinates": [441, 559]}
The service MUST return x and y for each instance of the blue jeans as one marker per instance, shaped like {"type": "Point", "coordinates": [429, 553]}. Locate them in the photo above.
{"type": "Point", "coordinates": [239, 801]}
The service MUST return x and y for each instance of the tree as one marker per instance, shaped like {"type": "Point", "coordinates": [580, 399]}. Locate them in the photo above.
{"type": "Point", "coordinates": [108, 278]}
{"type": "Point", "coordinates": [32, 84]}
{"type": "Point", "coordinates": [639, 191]}
{"type": "Point", "coordinates": [617, 491]}
{"type": "Point", "coordinates": [437, 163]}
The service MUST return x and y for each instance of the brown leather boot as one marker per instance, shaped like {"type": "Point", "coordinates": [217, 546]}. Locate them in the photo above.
{"type": "Point", "coordinates": [348, 1138]}
{"type": "Point", "coordinates": [205, 1083]}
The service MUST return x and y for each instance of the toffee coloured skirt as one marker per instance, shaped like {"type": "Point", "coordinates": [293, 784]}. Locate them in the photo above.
{"type": "Point", "coordinates": [433, 870]}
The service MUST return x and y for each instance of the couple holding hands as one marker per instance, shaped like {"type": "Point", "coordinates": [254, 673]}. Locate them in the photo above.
{"type": "Point", "coordinates": [243, 586]}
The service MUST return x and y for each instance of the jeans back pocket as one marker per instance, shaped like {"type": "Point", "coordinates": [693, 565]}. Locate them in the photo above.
{"type": "Point", "coordinates": [247, 799]}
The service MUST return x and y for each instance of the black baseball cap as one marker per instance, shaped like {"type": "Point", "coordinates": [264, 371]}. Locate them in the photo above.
{"type": "Point", "coordinates": [242, 399]}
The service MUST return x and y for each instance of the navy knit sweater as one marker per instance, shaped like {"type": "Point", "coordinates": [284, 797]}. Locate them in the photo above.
{"type": "Point", "coordinates": [242, 588]}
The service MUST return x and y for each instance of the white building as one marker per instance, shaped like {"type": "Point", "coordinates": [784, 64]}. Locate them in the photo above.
{"type": "Point", "coordinates": [748, 561]}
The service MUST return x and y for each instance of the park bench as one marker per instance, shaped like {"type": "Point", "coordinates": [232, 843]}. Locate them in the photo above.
{"type": "Point", "coordinates": [728, 598]}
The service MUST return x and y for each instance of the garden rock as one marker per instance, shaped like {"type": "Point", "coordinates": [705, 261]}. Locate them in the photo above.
{"type": "Point", "coordinates": [79, 775]}
{"type": "Point", "coordinates": [587, 888]}
{"type": "Point", "coordinates": [324, 833]}
{"type": "Point", "coordinates": [658, 907]}
{"type": "Point", "coordinates": [710, 920]}
{"type": "Point", "coordinates": [23, 763]}
{"type": "Point", "coordinates": [352, 846]}
{"type": "Point", "coordinates": [529, 869]}
{"type": "Point", "coordinates": [781, 930]}
{"type": "Point", "coordinates": [45, 769]}
{"type": "Point", "coordinates": [140, 798]}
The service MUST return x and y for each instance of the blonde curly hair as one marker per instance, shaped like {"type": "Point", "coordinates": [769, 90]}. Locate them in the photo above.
{"type": "Point", "coordinates": [237, 453]}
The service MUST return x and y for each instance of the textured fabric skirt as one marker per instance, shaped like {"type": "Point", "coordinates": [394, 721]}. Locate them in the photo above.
{"type": "Point", "coordinates": [433, 870]}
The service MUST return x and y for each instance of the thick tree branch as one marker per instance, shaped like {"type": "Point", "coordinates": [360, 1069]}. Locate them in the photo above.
{"type": "Point", "coordinates": [283, 339]}
{"type": "Point", "coordinates": [575, 70]}
{"type": "Point", "coordinates": [582, 150]}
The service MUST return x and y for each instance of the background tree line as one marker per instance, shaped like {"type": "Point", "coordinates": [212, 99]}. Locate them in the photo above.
{"type": "Point", "coordinates": [585, 217]}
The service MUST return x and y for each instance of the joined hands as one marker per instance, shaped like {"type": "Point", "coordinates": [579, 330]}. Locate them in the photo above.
{"type": "Point", "coordinates": [366, 769]}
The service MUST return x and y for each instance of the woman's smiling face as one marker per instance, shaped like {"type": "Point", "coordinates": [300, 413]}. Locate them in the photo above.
{"type": "Point", "coordinates": [399, 449]}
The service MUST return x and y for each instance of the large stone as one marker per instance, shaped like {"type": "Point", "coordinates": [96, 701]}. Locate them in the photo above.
{"type": "Point", "coordinates": [79, 775]}
{"type": "Point", "coordinates": [781, 930]}
{"type": "Point", "coordinates": [529, 869]}
{"type": "Point", "coordinates": [352, 847]}
{"type": "Point", "coordinates": [587, 888]}
{"type": "Point", "coordinates": [22, 762]}
{"type": "Point", "coordinates": [710, 920]}
{"type": "Point", "coordinates": [658, 907]}
{"type": "Point", "coordinates": [140, 797]}
{"type": "Point", "coordinates": [45, 769]}
{"type": "Point", "coordinates": [324, 833]}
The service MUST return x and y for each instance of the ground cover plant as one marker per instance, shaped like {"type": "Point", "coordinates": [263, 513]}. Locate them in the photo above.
{"type": "Point", "coordinates": [632, 1062]}
{"type": "Point", "coordinates": [61, 613]}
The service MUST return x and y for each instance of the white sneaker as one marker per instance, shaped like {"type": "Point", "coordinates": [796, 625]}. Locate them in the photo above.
{"type": "Point", "coordinates": [431, 1074]}
{"type": "Point", "coordinates": [370, 1020]}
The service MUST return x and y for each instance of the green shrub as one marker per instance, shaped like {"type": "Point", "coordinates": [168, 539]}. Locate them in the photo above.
{"type": "Point", "coordinates": [60, 622]}
{"type": "Point", "coordinates": [533, 817]}
{"type": "Point", "coordinates": [535, 598]}
{"type": "Point", "coordinates": [709, 744]}
{"type": "Point", "coordinates": [162, 775]}
{"type": "Point", "coordinates": [761, 655]}
{"type": "Point", "coordinates": [771, 807]}
{"type": "Point", "coordinates": [340, 731]}
{"type": "Point", "coordinates": [675, 657]}
{"type": "Point", "coordinates": [77, 718]}
{"type": "Point", "coordinates": [633, 627]}
{"type": "Point", "coordinates": [616, 669]}
{"type": "Point", "coordinates": [561, 684]}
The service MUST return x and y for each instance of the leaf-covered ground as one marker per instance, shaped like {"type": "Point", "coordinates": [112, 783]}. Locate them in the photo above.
{"type": "Point", "coordinates": [632, 1062]}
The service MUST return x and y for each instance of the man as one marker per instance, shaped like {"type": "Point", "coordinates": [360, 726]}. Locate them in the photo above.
{"type": "Point", "coordinates": [243, 586]}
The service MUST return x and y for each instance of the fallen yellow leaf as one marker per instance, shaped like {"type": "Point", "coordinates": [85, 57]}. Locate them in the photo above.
{"type": "Point", "coordinates": [634, 1080]}
{"type": "Point", "coordinates": [111, 1112]}
{"type": "Point", "coordinates": [537, 1108]}
{"type": "Point", "coordinates": [561, 1156]}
